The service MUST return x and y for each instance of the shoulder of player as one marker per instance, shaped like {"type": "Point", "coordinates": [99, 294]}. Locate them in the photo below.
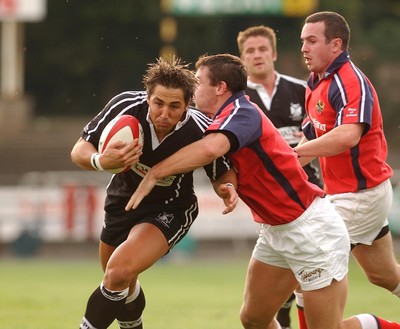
{"type": "Point", "coordinates": [350, 73]}
{"type": "Point", "coordinates": [200, 119]}
{"type": "Point", "coordinates": [292, 80]}
{"type": "Point", "coordinates": [131, 97]}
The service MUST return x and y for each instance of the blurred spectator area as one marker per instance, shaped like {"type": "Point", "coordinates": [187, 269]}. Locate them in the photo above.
{"type": "Point", "coordinates": [43, 145]}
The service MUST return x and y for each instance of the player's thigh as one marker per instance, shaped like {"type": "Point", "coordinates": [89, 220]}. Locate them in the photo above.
{"type": "Point", "coordinates": [105, 252]}
{"type": "Point", "coordinates": [378, 260]}
{"type": "Point", "coordinates": [267, 287]}
{"type": "Point", "coordinates": [143, 247]}
{"type": "Point", "coordinates": [324, 307]}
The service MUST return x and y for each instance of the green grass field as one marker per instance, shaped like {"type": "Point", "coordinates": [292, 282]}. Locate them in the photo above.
{"type": "Point", "coordinates": [49, 294]}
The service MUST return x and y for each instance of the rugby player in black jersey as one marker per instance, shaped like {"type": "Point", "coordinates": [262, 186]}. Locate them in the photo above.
{"type": "Point", "coordinates": [132, 241]}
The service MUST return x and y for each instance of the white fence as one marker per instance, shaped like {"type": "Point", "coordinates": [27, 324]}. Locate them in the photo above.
{"type": "Point", "coordinates": [73, 211]}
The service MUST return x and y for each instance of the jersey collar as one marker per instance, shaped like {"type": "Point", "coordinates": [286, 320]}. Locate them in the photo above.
{"type": "Point", "coordinates": [339, 61]}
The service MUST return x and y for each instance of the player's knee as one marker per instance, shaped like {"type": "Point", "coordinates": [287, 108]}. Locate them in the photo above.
{"type": "Point", "coordinates": [117, 277]}
{"type": "Point", "coordinates": [380, 280]}
{"type": "Point", "coordinates": [250, 321]}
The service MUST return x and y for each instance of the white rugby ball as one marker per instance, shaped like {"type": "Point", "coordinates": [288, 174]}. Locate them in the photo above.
{"type": "Point", "coordinates": [123, 128]}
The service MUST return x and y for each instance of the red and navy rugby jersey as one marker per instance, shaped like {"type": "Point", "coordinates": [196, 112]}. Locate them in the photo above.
{"type": "Point", "coordinates": [270, 179]}
{"type": "Point", "coordinates": [346, 96]}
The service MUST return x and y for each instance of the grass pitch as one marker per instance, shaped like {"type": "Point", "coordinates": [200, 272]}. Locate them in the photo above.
{"type": "Point", "coordinates": [49, 294]}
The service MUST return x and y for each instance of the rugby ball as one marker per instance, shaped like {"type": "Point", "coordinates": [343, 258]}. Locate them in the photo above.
{"type": "Point", "coordinates": [123, 128]}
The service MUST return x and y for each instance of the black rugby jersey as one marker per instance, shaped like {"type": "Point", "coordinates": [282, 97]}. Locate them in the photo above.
{"type": "Point", "coordinates": [286, 110]}
{"type": "Point", "coordinates": [175, 190]}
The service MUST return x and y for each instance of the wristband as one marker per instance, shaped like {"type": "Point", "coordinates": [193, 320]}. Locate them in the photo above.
{"type": "Point", "coordinates": [230, 185]}
{"type": "Point", "coordinates": [295, 151]}
{"type": "Point", "coordinates": [95, 162]}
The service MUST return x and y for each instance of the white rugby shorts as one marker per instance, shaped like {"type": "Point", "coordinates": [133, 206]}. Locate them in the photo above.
{"type": "Point", "coordinates": [315, 246]}
{"type": "Point", "coordinates": [364, 212]}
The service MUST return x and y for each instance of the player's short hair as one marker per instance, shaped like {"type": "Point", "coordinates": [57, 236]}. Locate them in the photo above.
{"type": "Point", "coordinates": [335, 26]}
{"type": "Point", "coordinates": [255, 31]}
{"type": "Point", "coordinates": [171, 72]}
{"type": "Point", "coordinates": [227, 68]}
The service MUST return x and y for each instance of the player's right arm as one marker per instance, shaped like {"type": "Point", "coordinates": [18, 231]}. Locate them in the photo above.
{"type": "Point", "coordinates": [116, 155]}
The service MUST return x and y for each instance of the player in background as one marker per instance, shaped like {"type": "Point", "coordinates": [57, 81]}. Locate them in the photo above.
{"type": "Point", "coordinates": [303, 240]}
{"type": "Point", "coordinates": [345, 131]}
{"type": "Point", "coordinates": [280, 97]}
{"type": "Point", "coordinates": [132, 241]}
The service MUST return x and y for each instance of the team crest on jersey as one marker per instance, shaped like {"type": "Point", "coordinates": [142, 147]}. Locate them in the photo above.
{"type": "Point", "coordinates": [320, 106]}
{"type": "Point", "coordinates": [164, 218]}
{"type": "Point", "coordinates": [296, 112]}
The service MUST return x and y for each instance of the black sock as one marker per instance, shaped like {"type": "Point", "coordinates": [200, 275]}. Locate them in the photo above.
{"type": "Point", "coordinates": [102, 308]}
{"type": "Point", "coordinates": [283, 315]}
{"type": "Point", "coordinates": [130, 316]}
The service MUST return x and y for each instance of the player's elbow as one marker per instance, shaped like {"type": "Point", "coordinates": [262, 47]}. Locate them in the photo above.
{"type": "Point", "coordinates": [212, 151]}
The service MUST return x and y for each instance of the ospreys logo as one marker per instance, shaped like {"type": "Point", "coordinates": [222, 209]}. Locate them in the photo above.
{"type": "Point", "coordinates": [320, 106]}
{"type": "Point", "coordinates": [296, 112]}
{"type": "Point", "coordinates": [164, 218]}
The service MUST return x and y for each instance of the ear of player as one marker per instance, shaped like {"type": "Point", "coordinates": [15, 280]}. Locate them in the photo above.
{"type": "Point", "coordinates": [123, 128]}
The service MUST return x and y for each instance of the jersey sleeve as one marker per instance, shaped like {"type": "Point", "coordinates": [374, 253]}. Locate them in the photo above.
{"type": "Point", "coordinates": [118, 105]}
{"type": "Point", "coordinates": [308, 129]}
{"type": "Point", "coordinates": [244, 123]}
{"type": "Point", "coordinates": [217, 168]}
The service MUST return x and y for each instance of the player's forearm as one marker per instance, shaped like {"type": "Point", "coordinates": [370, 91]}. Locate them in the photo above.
{"type": "Point", "coordinates": [81, 154]}
{"type": "Point", "coordinates": [228, 178]}
{"type": "Point", "coordinates": [186, 159]}
{"type": "Point", "coordinates": [332, 143]}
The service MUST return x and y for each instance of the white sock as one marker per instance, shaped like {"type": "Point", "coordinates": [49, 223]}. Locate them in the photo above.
{"type": "Point", "coordinates": [135, 293]}
{"type": "Point", "coordinates": [278, 326]}
{"type": "Point", "coordinates": [396, 291]}
{"type": "Point", "coordinates": [299, 299]}
{"type": "Point", "coordinates": [86, 324]}
{"type": "Point", "coordinates": [367, 321]}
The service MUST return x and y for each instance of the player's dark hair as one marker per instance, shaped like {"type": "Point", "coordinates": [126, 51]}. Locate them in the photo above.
{"type": "Point", "coordinates": [335, 26]}
{"type": "Point", "coordinates": [255, 31]}
{"type": "Point", "coordinates": [171, 72]}
{"type": "Point", "coordinates": [227, 68]}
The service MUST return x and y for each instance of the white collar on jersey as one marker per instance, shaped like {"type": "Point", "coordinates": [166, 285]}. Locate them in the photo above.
{"type": "Point", "coordinates": [264, 96]}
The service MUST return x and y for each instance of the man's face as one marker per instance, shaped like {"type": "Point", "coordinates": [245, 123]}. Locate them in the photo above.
{"type": "Point", "coordinates": [318, 53]}
{"type": "Point", "coordinates": [167, 107]}
{"type": "Point", "coordinates": [205, 96]}
{"type": "Point", "coordinates": [259, 57]}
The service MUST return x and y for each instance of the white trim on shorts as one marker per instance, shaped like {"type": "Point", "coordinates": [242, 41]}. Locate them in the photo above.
{"type": "Point", "coordinates": [364, 212]}
{"type": "Point", "coordinates": [315, 246]}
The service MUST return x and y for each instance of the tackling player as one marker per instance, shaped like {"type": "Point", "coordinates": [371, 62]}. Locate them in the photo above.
{"type": "Point", "coordinates": [281, 97]}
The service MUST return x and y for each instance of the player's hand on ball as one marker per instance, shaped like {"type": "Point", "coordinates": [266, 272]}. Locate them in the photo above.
{"type": "Point", "coordinates": [119, 154]}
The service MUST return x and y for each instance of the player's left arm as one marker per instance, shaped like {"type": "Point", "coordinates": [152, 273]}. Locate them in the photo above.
{"type": "Point", "coordinates": [190, 157]}
{"type": "Point", "coordinates": [336, 141]}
